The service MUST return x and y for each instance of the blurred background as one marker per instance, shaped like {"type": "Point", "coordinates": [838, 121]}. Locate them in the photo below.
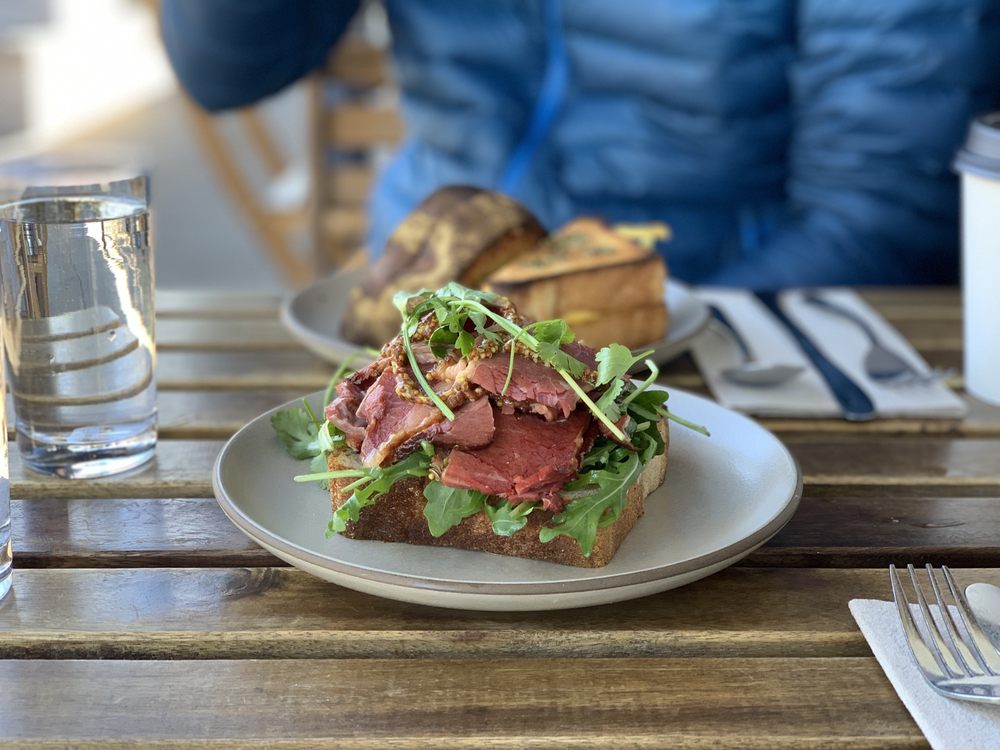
{"type": "Point", "coordinates": [245, 200]}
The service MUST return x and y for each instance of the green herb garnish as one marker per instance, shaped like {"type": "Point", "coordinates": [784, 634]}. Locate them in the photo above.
{"type": "Point", "coordinates": [508, 518]}
{"type": "Point", "coordinates": [370, 483]}
{"type": "Point", "coordinates": [454, 305]}
{"type": "Point", "coordinates": [297, 431]}
{"type": "Point", "coordinates": [447, 506]}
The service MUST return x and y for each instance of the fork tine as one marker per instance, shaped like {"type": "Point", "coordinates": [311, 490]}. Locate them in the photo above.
{"type": "Point", "coordinates": [927, 662]}
{"type": "Point", "coordinates": [987, 653]}
{"type": "Point", "coordinates": [968, 653]}
{"type": "Point", "coordinates": [940, 648]}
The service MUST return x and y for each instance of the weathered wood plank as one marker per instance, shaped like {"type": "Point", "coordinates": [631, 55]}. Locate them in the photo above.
{"type": "Point", "coordinates": [359, 63]}
{"type": "Point", "coordinates": [212, 303]}
{"type": "Point", "coordinates": [349, 185]}
{"type": "Point", "coordinates": [900, 461]}
{"type": "Point", "coordinates": [215, 414]}
{"type": "Point", "coordinates": [927, 297]}
{"type": "Point", "coordinates": [850, 530]}
{"type": "Point", "coordinates": [218, 413]}
{"type": "Point", "coordinates": [418, 703]}
{"type": "Point", "coordinates": [213, 370]}
{"type": "Point", "coordinates": [223, 334]}
{"type": "Point", "coordinates": [843, 529]}
{"type": "Point", "coordinates": [361, 126]}
{"type": "Point", "coordinates": [282, 613]}
{"type": "Point", "coordinates": [293, 368]}
{"type": "Point", "coordinates": [147, 532]}
{"type": "Point", "coordinates": [182, 468]}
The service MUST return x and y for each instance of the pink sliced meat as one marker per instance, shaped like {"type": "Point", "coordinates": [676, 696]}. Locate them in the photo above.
{"type": "Point", "coordinates": [471, 428]}
{"type": "Point", "coordinates": [529, 459]}
{"type": "Point", "coordinates": [534, 387]}
{"type": "Point", "coordinates": [391, 420]}
{"type": "Point", "coordinates": [343, 412]}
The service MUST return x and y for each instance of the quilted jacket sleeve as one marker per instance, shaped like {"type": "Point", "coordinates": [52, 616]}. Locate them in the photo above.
{"type": "Point", "coordinates": [229, 53]}
{"type": "Point", "coordinates": [882, 93]}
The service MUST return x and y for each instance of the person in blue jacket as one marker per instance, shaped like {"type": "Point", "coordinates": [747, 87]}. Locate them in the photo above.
{"type": "Point", "coordinates": [787, 142]}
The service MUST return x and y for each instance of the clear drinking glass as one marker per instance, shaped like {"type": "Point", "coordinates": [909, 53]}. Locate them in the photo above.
{"type": "Point", "coordinates": [6, 556]}
{"type": "Point", "coordinates": [77, 285]}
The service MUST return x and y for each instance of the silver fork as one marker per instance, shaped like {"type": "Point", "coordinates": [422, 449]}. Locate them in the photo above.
{"type": "Point", "coordinates": [882, 364]}
{"type": "Point", "coordinates": [956, 663]}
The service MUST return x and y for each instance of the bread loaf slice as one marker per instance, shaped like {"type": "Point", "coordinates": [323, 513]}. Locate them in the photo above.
{"type": "Point", "coordinates": [398, 516]}
{"type": "Point", "coordinates": [458, 233]}
{"type": "Point", "coordinates": [606, 287]}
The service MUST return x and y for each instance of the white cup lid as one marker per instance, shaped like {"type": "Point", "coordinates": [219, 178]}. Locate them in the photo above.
{"type": "Point", "coordinates": [981, 153]}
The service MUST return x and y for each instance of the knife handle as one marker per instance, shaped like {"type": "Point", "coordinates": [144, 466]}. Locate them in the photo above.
{"type": "Point", "coordinates": [854, 401]}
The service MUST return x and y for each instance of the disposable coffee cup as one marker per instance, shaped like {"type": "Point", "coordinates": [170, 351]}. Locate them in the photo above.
{"type": "Point", "coordinates": [978, 162]}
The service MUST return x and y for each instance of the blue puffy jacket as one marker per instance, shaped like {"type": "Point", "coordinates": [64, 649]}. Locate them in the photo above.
{"type": "Point", "coordinates": [787, 142]}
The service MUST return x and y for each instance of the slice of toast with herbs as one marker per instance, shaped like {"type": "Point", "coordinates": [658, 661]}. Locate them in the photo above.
{"type": "Point", "coordinates": [477, 429]}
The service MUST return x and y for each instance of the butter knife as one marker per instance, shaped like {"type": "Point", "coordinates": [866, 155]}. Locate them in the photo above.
{"type": "Point", "coordinates": [854, 402]}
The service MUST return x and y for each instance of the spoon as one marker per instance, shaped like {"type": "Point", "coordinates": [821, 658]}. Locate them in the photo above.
{"type": "Point", "coordinates": [752, 371]}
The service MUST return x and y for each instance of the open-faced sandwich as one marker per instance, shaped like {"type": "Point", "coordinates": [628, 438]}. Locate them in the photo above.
{"type": "Point", "coordinates": [477, 429]}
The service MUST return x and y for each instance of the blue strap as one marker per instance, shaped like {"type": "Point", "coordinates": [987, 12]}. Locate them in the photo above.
{"type": "Point", "coordinates": [546, 106]}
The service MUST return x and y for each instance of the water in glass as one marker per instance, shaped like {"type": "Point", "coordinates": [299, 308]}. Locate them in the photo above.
{"type": "Point", "coordinates": [78, 300]}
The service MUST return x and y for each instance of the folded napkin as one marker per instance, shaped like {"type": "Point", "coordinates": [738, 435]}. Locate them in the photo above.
{"type": "Point", "coordinates": [844, 344]}
{"type": "Point", "coordinates": [947, 724]}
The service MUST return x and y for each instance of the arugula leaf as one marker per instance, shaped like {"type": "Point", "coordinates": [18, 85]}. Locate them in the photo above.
{"type": "Point", "coordinates": [583, 516]}
{"type": "Point", "coordinates": [372, 483]}
{"type": "Point", "coordinates": [297, 432]}
{"type": "Point", "coordinates": [447, 506]}
{"type": "Point", "coordinates": [508, 518]}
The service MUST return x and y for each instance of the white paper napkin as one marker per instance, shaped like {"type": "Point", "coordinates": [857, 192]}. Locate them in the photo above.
{"type": "Point", "coordinates": [807, 395]}
{"type": "Point", "coordinates": [948, 724]}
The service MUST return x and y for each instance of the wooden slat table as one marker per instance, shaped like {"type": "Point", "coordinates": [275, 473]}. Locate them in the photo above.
{"type": "Point", "coordinates": [141, 616]}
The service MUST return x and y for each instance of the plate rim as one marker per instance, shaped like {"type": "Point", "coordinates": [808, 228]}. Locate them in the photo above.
{"type": "Point", "coordinates": [321, 345]}
{"type": "Point", "coordinates": [735, 550]}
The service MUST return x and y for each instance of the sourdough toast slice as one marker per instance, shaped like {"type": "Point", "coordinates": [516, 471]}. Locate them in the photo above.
{"type": "Point", "coordinates": [398, 516]}
{"type": "Point", "coordinates": [594, 279]}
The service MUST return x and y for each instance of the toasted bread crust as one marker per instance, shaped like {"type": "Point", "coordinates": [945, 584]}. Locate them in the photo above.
{"type": "Point", "coordinates": [398, 516]}
{"type": "Point", "coordinates": [607, 288]}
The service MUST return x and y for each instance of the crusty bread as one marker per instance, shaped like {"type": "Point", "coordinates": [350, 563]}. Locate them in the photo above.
{"type": "Point", "coordinates": [606, 287]}
{"type": "Point", "coordinates": [398, 516]}
{"type": "Point", "coordinates": [458, 233]}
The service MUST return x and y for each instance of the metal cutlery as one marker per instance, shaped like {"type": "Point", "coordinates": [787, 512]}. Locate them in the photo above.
{"type": "Point", "coordinates": [855, 403]}
{"type": "Point", "coordinates": [955, 656]}
{"type": "Point", "coordinates": [751, 371]}
{"type": "Point", "coordinates": [881, 363]}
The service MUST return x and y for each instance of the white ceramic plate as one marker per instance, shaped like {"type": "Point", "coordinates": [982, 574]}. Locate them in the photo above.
{"type": "Point", "coordinates": [314, 316]}
{"type": "Point", "coordinates": [724, 497]}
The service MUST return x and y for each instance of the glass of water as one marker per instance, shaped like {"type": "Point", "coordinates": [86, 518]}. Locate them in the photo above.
{"type": "Point", "coordinates": [77, 287]}
{"type": "Point", "coordinates": [6, 559]}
